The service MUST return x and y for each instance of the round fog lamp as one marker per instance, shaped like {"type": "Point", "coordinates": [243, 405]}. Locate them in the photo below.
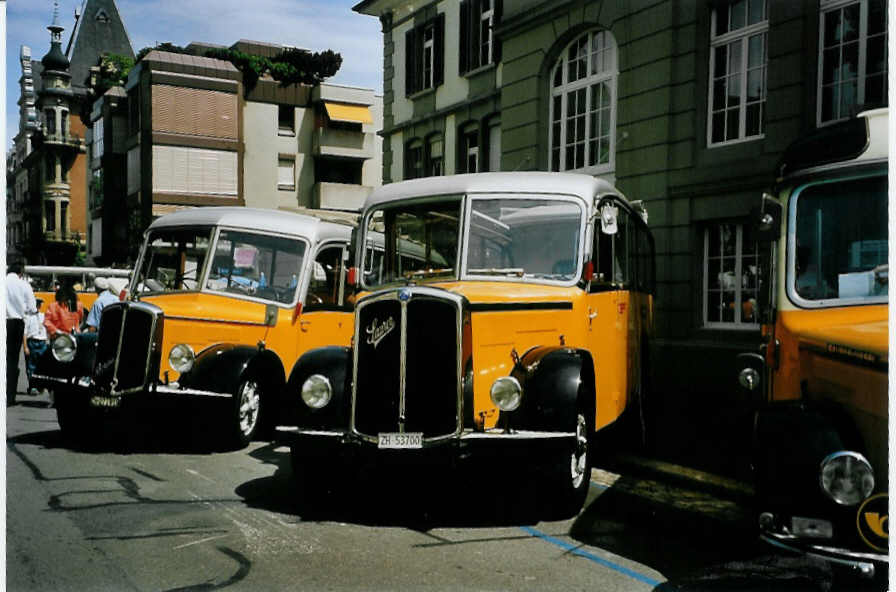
{"type": "Point", "coordinates": [181, 357]}
{"type": "Point", "coordinates": [506, 393]}
{"type": "Point", "coordinates": [846, 477]}
{"type": "Point", "coordinates": [316, 391]}
{"type": "Point", "coordinates": [64, 347]}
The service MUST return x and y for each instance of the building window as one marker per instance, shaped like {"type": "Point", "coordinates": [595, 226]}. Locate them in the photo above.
{"type": "Point", "coordinates": [493, 133]}
{"type": "Point", "coordinates": [730, 276]}
{"type": "Point", "coordinates": [286, 173]}
{"type": "Point", "coordinates": [50, 215]}
{"type": "Point", "coordinates": [50, 118]}
{"type": "Point", "coordinates": [51, 169]}
{"type": "Point", "coordinates": [98, 144]}
{"type": "Point", "coordinates": [413, 160]}
{"type": "Point", "coordinates": [469, 150]}
{"type": "Point", "coordinates": [286, 119]}
{"type": "Point", "coordinates": [477, 43]}
{"type": "Point", "coordinates": [424, 55]}
{"type": "Point", "coordinates": [583, 105]}
{"type": "Point", "coordinates": [348, 171]}
{"type": "Point", "coordinates": [434, 156]}
{"type": "Point", "coordinates": [63, 129]}
{"type": "Point", "coordinates": [63, 219]}
{"type": "Point", "coordinates": [737, 64]}
{"type": "Point", "coordinates": [853, 58]}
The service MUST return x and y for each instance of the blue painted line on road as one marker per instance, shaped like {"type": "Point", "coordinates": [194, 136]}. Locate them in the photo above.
{"type": "Point", "coordinates": [591, 556]}
{"type": "Point", "coordinates": [599, 486]}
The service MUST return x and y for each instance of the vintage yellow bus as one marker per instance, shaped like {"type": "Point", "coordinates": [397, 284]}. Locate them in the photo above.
{"type": "Point", "coordinates": [44, 279]}
{"type": "Point", "coordinates": [820, 382]}
{"type": "Point", "coordinates": [221, 304]}
{"type": "Point", "coordinates": [497, 314]}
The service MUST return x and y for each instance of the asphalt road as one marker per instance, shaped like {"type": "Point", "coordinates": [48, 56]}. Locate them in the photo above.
{"type": "Point", "coordinates": [154, 509]}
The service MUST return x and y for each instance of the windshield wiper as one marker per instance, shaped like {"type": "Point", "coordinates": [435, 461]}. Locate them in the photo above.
{"type": "Point", "coordinates": [432, 272]}
{"type": "Point", "coordinates": [512, 271]}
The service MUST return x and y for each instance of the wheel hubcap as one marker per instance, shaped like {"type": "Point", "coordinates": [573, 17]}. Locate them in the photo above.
{"type": "Point", "coordinates": [250, 402]}
{"type": "Point", "coordinates": [578, 463]}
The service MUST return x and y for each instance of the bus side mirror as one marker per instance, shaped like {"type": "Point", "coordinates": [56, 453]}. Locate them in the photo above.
{"type": "Point", "coordinates": [769, 219]}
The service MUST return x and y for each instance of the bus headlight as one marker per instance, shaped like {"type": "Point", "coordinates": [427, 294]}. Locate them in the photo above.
{"type": "Point", "coordinates": [846, 477]}
{"type": "Point", "coordinates": [506, 393]}
{"type": "Point", "coordinates": [64, 347]}
{"type": "Point", "coordinates": [181, 357]}
{"type": "Point", "coordinates": [316, 391]}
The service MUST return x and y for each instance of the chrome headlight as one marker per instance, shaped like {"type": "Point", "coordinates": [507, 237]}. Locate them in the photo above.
{"type": "Point", "coordinates": [181, 357]}
{"type": "Point", "coordinates": [846, 477]}
{"type": "Point", "coordinates": [506, 393]}
{"type": "Point", "coordinates": [65, 347]}
{"type": "Point", "coordinates": [316, 391]}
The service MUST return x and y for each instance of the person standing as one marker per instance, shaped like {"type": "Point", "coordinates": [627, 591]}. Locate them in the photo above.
{"type": "Point", "coordinates": [19, 301]}
{"type": "Point", "coordinates": [66, 314]}
{"type": "Point", "coordinates": [104, 296]}
{"type": "Point", "coordinates": [36, 342]}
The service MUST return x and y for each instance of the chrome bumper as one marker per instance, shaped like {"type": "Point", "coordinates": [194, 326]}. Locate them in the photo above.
{"type": "Point", "coordinates": [467, 435]}
{"type": "Point", "coordinates": [865, 564]}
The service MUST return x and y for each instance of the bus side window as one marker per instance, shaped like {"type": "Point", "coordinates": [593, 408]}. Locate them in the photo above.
{"type": "Point", "coordinates": [621, 267]}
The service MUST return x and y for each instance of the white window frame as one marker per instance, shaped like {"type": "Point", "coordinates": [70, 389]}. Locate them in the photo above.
{"type": "Point", "coordinates": [609, 75]}
{"type": "Point", "coordinates": [738, 323]}
{"type": "Point", "coordinates": [98, 138]}
{"type": "Point", "coordinates": [485, 25]}
{"type": "Point", "coordinates": [470, 151]}
{"type": "Point", "coordinates": [743, 36]}
{"type": "Point", "coordinates": [828, 6]}
{"type": "Point", "coordinates": [428, 57]}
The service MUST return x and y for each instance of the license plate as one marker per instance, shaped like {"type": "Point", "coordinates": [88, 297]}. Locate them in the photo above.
{"type": "Point", "coordinates": [398, 440]}
{"type": "Point", "coordinates": [98, 401]}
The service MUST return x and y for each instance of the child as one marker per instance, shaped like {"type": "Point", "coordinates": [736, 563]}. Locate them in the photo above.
{"type": "Point", "coordinates": [36, 342]}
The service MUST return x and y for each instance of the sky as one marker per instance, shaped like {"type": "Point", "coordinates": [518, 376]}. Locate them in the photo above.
{"type": "Point", "coordinates": [311, 24]}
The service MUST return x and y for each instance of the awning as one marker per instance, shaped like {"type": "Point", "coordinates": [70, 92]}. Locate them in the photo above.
{"type": "Point", "coordinates": [350, 113]}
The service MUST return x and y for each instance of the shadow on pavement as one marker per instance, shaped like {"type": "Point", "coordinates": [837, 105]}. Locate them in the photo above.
{"type": "Point", "coordinates": [418, 497]}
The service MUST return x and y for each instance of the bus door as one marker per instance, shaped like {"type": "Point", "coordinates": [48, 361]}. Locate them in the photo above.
{"type": "Point", "coordinates": [326, 318]}
{"type": "Point", "coordinates": [610, 323]}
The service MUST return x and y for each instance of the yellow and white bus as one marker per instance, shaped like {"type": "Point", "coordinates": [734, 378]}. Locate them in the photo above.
{"type": "Point", "coordinates": [497, 314]}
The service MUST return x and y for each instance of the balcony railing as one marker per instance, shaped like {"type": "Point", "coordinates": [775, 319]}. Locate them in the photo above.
{"type": "Point", "coordinates": [336, 142]}
{"type": "Point", "coordinates": [339, 196]}
{"type": "Point", "coordinates": [69, 139]}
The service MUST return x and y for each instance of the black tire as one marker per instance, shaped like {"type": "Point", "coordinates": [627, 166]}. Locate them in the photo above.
{"type": "Point", "coordinates": [568, 474]}
{"type": "Point", "coordinates": [247, 405]}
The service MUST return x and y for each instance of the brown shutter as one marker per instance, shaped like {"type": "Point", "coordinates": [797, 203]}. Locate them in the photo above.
{"type": "Point", "coordinates": [463, 62]}
{"type": "Point", "coordinates": [438, 75]}
{"type": "Point", "coordinates": [194, 112]}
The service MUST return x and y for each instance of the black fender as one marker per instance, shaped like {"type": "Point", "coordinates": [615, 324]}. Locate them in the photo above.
{"type": "Point", "coordinates": [556, 381]}
{"type": "Point", "coordinates": [82, 365]}
{"type": "Point", "coordinates": [790, 439]}
{"type": "Point", "coordinates": [220, 368]}
{"type": "Point", "coordinates": [333, 362]}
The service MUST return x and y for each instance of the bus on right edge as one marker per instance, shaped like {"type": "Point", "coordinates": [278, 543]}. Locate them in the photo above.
{"type": "Point", "coordinates": [819, 383]}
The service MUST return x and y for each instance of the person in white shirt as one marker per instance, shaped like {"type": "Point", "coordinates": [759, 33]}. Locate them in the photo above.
{"type": "Point", "coordinates": [105, 295]}
{"type": "Point", "coordinates": [19, 300]}
{"type": "Point", "coordinates": [36, 342]}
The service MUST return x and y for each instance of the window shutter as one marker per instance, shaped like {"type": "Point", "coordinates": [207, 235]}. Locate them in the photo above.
{"type": "Point", "coordinates": [438, 75]}
{"type": "Point", "coordinates": [410, 62]}
{"type": "Point", "coordinates": [496, 41]}
{"type": "Point", "coordinates": [463, 62]}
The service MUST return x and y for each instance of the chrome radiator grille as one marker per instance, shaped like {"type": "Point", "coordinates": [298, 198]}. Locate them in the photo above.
{"type": "Point", "coordinates": [128, 347]}
{"type": "Point", "coordinates": [407, 369]}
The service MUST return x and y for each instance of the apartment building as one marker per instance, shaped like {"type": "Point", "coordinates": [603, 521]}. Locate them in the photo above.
{"type": "Point", "coordinates": [684, 104]}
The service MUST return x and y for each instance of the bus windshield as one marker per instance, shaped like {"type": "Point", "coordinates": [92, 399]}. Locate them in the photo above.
{"type": "Point", "coordinates": [173, 260]}
{"type": "Point", "coordinates": [524, 238]}
{"type": "Point", "coordinates": [841, 241]}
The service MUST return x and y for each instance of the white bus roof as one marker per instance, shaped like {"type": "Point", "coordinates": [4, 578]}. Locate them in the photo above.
{"type": "Point", "coordinates": [581, 185]}
{"type": "Point", "coordinates": [258, 219]}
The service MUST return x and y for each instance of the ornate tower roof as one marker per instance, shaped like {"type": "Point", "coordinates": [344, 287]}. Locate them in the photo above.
{"type": "Point", "coordinates": [55, 59]}
{"type": "Point", "coordinates": [98, 29]}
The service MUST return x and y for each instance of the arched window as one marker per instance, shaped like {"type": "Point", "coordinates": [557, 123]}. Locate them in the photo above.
{"type": "Point", "coordinates": [583, 105]}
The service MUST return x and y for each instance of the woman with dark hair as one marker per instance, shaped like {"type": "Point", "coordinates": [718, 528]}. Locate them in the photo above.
{"type": "Point", "coordinates": [66, 314]}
